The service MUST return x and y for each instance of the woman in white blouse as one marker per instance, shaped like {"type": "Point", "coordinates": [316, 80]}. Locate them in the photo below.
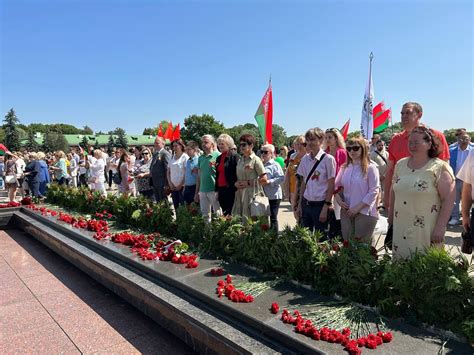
{"type": "Point", "coordinates": [96, 166]}
{"type": "Point", "coordinates": [176, 172]}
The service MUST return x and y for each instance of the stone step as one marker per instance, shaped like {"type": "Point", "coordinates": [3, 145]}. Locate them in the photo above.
{"type": "Point", "coordinates": [184, 301]}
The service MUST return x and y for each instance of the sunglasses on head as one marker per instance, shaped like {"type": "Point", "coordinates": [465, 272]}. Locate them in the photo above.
{"type": "Point", "coordinates": [354, 148]}
{"type": "Point", "coordinates": [332, 130]}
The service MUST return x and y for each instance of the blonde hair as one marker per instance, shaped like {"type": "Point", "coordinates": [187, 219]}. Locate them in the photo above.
{"type": "Point", "coordinates": [226, 139]}
{"type": "Point", "coordinates": [60, 154]}
{"type": "Point", "coordinates": [339, 138]}
{"type": "Point", "coordinates": [41, 155]}
{"type": "Point", "coordinates": [364, 154]}
{"type": "Point", "coordinates": [284, 152]}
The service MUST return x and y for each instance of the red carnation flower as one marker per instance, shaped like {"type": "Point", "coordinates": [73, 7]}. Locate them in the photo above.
{"type": "Point", "coordinates": [387, 337]}
{"type": "Point", "coordinates": [275, 308]}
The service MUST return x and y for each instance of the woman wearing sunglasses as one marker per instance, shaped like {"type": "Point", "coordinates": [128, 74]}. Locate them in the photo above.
{"type": "Point", "coordinates": [142, 174]}
{"type": "Point", "coordinates": [251, 175]}
{"type": "Point", "coordinates": [357, 186]}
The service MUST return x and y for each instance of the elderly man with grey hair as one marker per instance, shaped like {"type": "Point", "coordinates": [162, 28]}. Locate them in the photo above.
{"type": "Point", "coordinates": [158, 169]}
{"type": "Point", "coordinates": [206, 179]}
{"type": "Point", "coordinates": [272, 188]}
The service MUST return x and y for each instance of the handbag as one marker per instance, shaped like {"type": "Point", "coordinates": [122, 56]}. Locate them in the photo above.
{"type": "Point", "coordinates": [11, 179]}
{"type": "Point", "coordinates": [259, 204]}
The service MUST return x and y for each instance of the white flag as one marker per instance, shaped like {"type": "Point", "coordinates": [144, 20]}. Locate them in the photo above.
{"type": "Point", "coordinates": [367, 119]}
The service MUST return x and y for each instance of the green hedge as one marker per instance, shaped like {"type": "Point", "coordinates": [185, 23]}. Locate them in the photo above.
{"type": "Point", "coordinates": [431, 287]}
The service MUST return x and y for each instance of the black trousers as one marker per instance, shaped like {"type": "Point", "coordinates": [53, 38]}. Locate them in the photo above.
{"type": "Point", "coordinates": [311, 212]}
{"type": "Point", "coordinates": [226, 199]}
{"type": "Point", "coordinates": [188, 193]}
{"type": "Point", "coordinates": [274, 207]}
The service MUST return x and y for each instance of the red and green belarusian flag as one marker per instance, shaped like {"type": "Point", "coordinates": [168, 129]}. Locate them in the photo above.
{"type": "Point", "coordinates": [264, 116]}
{"type": "Point", "coordinates": [3, 149]}
{"type": "Point", "coordinates": [382, 117]}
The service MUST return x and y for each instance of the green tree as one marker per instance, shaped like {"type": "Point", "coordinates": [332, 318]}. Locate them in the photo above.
{"type": "Point", "coordinates": [196, 126]}
{"type": "Point", "coordinates": [84, 143]}
{"type": "Point", "coordinates": [110, 143]}
{"type": "Point", "coordinates": [53, 141]}
{"type": "Point", "coordinates": [87, 130]}
{"type": "Point", "coordinates": [12, 135]}
{"type": "Point", "coordinates": [279, 136]}
{"type": "Point", "coordinates": [149, 131]}
{"type": "Point", "coordinates": [2, 135]}
{"type": "Point", "coordinates": [237, 131]}
{"type": "Point", "coordinates": [31, 144]}
{"type": "Point", "coordinates": [121, 140]}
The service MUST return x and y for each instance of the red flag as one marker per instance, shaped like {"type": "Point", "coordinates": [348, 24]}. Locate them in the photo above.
{"type": "Point", "coordinates": [3, 149]}
{"type": "Point", "coordinates": [345, 129]}
{"type": "Point", "coordinates": [177, 133]}
{"type": "Point", "coordinates": [160, 131]}
{"type": "Point", "coordinates": [264, 116]}
{"type": "Point", "coordinates": [169, 132]}
{"type": "Point", "coordinates": [378, 109]}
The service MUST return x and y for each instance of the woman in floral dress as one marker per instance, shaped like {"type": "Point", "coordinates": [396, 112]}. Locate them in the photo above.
{"type": "Point", "coordinates": [250, 176]}
{"type": "Point", "coordinates": [423, 194]}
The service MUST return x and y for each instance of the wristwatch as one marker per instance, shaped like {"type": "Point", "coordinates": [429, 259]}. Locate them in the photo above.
{"type": "Point", "coordinates": [329, 203]}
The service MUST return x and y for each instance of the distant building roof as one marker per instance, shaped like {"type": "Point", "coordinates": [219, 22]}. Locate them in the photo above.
{"type": "Point", "coordinates": [101, 139]}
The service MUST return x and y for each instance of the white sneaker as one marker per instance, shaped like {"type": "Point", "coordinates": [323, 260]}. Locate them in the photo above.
{"type": "Point", "coordinates": [453, 221]}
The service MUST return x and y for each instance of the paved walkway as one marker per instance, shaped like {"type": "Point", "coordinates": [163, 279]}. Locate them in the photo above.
{"type": "Point", "coordinates": [48, 306]}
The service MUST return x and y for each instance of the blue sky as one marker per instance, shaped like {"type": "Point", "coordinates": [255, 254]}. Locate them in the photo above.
{"type": "Point", "coordinates": [131, 64]}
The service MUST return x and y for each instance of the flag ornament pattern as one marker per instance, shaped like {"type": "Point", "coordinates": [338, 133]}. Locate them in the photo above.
{"type": "Point", "coordinates": [169, 132]}
{"type": "Point", "coordinates": [177, 133]}
{"type": "Point", "coordinates": [382, 117]}
{"type": "Point", "coordinates": [345, 129]}
{"type": "Point", "coordinates": [3, 149]}
{"type": "Point", "coordinates": [264, 116]}
{"type": "Point", "coordinates": [367, 121]}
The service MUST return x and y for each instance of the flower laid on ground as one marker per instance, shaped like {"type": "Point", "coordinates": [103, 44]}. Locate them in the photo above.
{"type": "Point", "coordinates": [148, 247]}
{"type": "Point", "coordinates": [104, 215]}
{"type": "Point", "coordinates": [26, 201]}
{"type": "Point", "coordinates": [10, 204]}
{"type": "Point", "coordinates": [217, 272]}
{"type": "Point", "coordinates": [307, 328]}
{"type": "Point", "coordinates": [225, 287]}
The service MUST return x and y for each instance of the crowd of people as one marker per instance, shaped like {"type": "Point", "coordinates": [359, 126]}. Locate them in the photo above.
{"type": "Point", "coordinates": [334, 186]}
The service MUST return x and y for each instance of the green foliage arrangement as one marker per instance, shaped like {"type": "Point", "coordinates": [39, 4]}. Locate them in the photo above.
{"type": "Point", "coordinates": [431, 287]}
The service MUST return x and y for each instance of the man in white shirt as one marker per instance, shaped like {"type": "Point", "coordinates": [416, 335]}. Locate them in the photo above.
{"type": "Point", "coordinates": [318, 170]}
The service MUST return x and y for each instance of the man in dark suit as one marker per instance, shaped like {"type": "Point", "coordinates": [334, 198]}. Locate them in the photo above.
{"type": "Point", "coordinates": [158, 168]}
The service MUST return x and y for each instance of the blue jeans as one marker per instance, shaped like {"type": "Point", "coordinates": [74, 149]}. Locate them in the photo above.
{"type": "Point", "coordinates": [311, 212]}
